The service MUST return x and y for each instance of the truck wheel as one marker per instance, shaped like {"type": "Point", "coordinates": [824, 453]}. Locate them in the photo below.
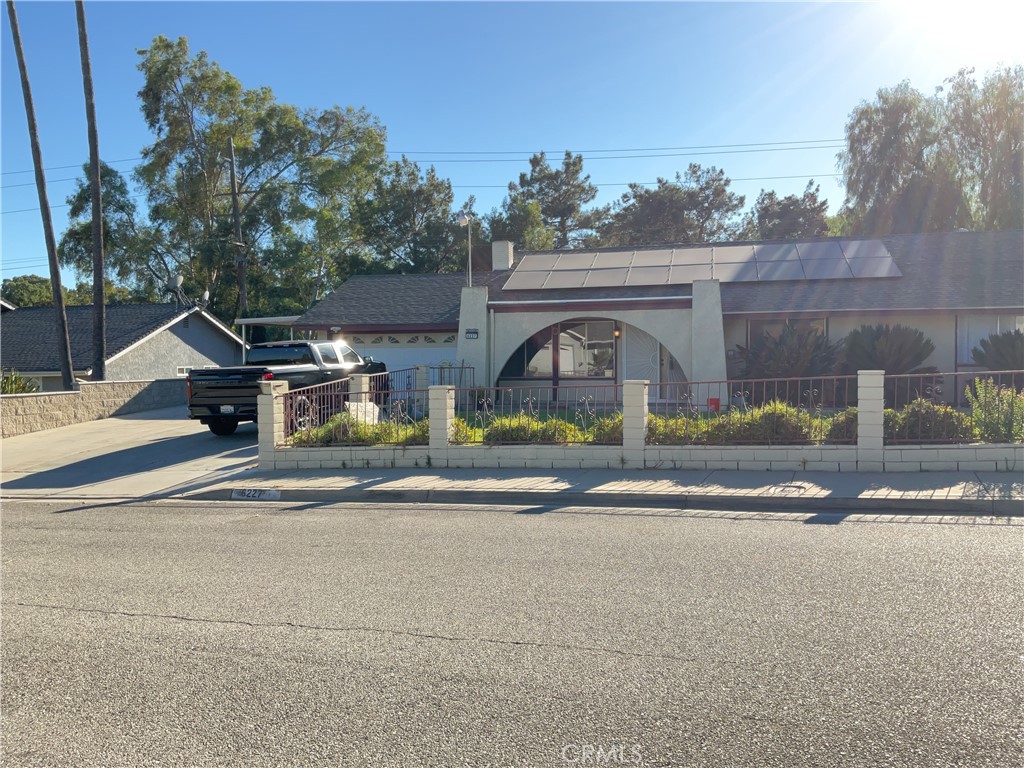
{"type": "Point", "coordinates": [223, 427]}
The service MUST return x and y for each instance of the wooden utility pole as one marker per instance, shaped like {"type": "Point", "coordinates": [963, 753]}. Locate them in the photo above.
{"type": "Point", "coordinates": [99, 302]}
{"type": "Point", "coordinates": [243, 291]}
{"type": "Point", "coordinates": [63, 345]}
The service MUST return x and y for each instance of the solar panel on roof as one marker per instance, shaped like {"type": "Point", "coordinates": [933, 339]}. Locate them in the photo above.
{"type": "Point", "coordinates": [779, 270]}
{"type": "Point", "coordinates": [736, 272]}
{"type": "Point", "coordinates": [683, 256]}
{"type": "Point", "coordinates": [826, 269]}
{"type": "Point", "coordinates": [734, 254]}
{"type": "Point", "coordinates": [526, 281]}
{"type": "Point", "coordinates": [567, 278]}
{"type": "Point", "coordinates": [534, 262]}
{"type": "Point", "coordinates": [686, 273]}
{"type": "Point", "coordinates": [613, 260]}
{"type": "Point", "coordinates": [607, 278]}
{"type": "Point", "coordinates": [819, 260]}
{"type": "Point", "coordinates": [576, 261]}
{"type": "Point", "coordinates": [823, 250]}
{"type": "Point", "coordinates": [776, 252]}
{"type": "Point", "coordinates": [651, 259]}
{"type": "Point", "coordinates": [648, 276]}
{"type": "Point", "coordinates": [861, 249]}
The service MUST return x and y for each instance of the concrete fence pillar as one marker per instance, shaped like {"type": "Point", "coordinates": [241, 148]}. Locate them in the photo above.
{"type": "Point", "coordinates": [870, 420]}
{"type": "Point", "coordinates": [270, 424]}
{"type": "Point", "coordinates": [442, 414]}
{"type": "Point", "coordinates": [359, 388]}
{"type": "Point", "coordinates": [634, 422]}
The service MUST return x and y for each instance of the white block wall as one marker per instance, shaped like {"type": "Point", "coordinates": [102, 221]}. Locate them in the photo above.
{"type": "Point", "coordinates": [869, 454]}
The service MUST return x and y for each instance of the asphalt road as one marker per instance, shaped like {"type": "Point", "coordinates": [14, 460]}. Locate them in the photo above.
{"type": "Point", "coordinates": [189, 635]}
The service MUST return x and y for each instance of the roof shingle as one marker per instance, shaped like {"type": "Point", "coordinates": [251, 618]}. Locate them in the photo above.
{"type": "Point", "coordinates": [27, 334]}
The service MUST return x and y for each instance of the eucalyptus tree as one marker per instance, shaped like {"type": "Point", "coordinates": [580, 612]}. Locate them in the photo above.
{"type": "Point", "coordinates": [289, 162]}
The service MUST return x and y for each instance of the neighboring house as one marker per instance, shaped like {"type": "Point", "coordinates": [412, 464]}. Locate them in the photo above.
{"type": "Point", "coordinates": [144, 341]}
{"type": "Point", "coordinates": [6, 306]}
{"type": "Point", "coordinates": [676, 313]}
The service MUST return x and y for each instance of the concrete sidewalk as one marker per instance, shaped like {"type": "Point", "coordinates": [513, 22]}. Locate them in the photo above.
{"type": "Point", "coordinates": [985, 493]}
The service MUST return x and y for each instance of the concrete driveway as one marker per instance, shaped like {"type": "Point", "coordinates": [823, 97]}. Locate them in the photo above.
{"type": "Point", "coordinates": [144, 454]}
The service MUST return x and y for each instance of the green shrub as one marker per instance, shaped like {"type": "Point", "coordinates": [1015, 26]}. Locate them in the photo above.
{"type": "Point", "coordinates": [922, 421]}
{"type": "Point", "coordinates": [794, 352]}
{"type": "Point", "coordinates": [1001, 351]}
{"type": "Point", "coordinates": [679, 430]}
{"type": "Point", "coordinates": [608, 430]}
{"type": "Point", "coordinates": [560, 431]}
{"type": "Point", "coordinates": [343, 429]}
{"type": "Point", "coordinates": [997, 412]}
{"type": "Point", "coordinates": [775, 423]}
{"type": "Point", "coordinates": [461, 432]}
{"type": "Point", "coordinates": [523, 428]}
{"type": "Point", "coordinates": [519, 428]}
{"type": "Point", "coordinates": [13, 383]}
{"type": "Point", "coordinates": [843, 427]}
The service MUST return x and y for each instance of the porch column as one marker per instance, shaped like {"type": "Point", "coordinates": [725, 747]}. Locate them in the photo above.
{"type": "Point", "coordinates": [707, 333]}
{"type": "Point", "coordinates": [474, 339]}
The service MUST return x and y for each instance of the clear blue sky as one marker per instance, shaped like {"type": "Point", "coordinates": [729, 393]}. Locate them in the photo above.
{"type": "Point", "coordinates": [606, 79]}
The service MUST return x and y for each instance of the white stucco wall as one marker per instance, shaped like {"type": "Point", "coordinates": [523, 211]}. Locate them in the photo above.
{"type": "Point", "coordinates": [940, 329]}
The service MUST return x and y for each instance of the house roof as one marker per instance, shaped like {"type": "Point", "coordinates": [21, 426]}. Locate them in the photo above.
{"type": "Point", "coordinates": [6, 306]}
{"type": "Point", "coordinates": [396, 301]}
{"type": "Point", "coordinates": [26, 333]}
{"type": "Point", "coordinates": [940, 271]}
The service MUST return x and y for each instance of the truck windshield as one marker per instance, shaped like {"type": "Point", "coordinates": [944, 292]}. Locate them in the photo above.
{"type": "Point", "coordinates": [288, 355]}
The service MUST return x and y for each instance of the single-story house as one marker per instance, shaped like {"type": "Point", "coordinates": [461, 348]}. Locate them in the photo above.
{"type": "Point", "coordinates": [676, 313]}
{"type": "Point", "coordinates": [144, 342]}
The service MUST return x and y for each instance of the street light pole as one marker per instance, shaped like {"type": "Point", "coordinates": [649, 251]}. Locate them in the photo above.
{"type": "Point", "coordinates": [467, 222]}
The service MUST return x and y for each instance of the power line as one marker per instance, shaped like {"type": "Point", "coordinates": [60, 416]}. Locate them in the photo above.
{"type": "Point", "coordinates": [505, 186]}
{"type": "Point", "coordinates": [532, 152]}
{"type": "Point", "coordinates": [627, 149]}
{"type": "Point", "coordinates": [64, 167]}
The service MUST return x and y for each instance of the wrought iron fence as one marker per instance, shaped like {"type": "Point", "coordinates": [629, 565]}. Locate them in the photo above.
{"type": "Point", "coordinates": [307, 408]}
{"type": "Point", "coordinates": [401, 379]}
{"type": "Point", "coordinates": [962, 407]}
{"type": "Point", "coordinates": [375, 417]}
{"type": "Point", "coordinates": [453, 375]}
{"type": "Point", "coordinates": [544, 415]}
{"type": "Point", "coordinates": [794, 411]}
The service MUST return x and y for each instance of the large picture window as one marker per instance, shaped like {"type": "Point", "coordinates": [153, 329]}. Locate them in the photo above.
{"type": "Point", "coordinates": [971, 329]}
{"type": "Point", "coordinates": [574, 349]}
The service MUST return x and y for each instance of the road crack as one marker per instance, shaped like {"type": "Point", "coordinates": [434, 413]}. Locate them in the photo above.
{"type": "Point", "coordinates": [379, 631]}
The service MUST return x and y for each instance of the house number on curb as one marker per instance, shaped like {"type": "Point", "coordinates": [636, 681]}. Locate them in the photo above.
{"type": "Point", "coordinates": [248, 494]}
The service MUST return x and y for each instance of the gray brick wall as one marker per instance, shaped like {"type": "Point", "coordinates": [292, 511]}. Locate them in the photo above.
{"type": "Point", "coordinates": [21, 414]}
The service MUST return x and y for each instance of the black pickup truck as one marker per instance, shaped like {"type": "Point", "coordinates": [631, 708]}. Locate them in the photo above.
{"type": "Point", "coordinates": [221, 398]}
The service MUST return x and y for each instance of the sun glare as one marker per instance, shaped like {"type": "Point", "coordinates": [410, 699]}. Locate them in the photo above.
{"type": "Point", "coordinates": [982, 34]}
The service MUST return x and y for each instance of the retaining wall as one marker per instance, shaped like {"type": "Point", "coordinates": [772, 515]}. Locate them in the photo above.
{"type": "Point", "coordinates": [21, 414]}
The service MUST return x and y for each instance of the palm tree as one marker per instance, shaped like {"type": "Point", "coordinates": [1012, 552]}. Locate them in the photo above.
{"type": "Point", "coordinates": [99, 309]}
{"type": "Point", "coordinates": [63, 344]}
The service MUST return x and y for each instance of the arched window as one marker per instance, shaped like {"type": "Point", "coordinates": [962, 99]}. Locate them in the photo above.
{"type": "Point", "coordinates": [571, 349]}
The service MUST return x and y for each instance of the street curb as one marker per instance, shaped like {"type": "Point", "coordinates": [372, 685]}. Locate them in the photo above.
{"type": "Point", "coordinates": [820, 504]}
